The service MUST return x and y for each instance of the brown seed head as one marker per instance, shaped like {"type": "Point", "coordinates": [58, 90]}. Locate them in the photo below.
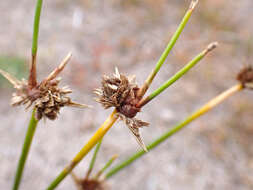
{"type": "Point", "coordinates": [46, 97]}
{"type": "Point", "coordinates": [245, 77]}
{"type": "Point", "coordinates": [51, 99]}
{"type": "Point", "coordinates": [91, 184]}
{"type": "Point", "coordinates": [120, 91]}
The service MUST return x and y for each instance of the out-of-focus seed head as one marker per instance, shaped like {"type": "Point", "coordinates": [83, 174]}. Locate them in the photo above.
{"type": "Point", "coordinates": [120, 91]}
{"type": "Point", "coordinates": [46, 97]}
{"type": "Point", "coordinates": [91, 184]}
{"type": "Point", "coordinates": [245, 77]}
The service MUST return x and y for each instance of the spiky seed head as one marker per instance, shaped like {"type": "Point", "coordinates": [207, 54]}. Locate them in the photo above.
{"type": "Point", "coordinates": [120, 91]}
{"type": "Point", "coordinates": [46, 97]}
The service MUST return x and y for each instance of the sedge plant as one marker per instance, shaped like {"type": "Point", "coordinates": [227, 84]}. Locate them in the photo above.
{"type": "Point", "coordinates": [113, 117]}
{"type": "Point", "coordinates": [130, 105]}
{"type": "Point", "coordinates": [245, 79]}
{"type": "Point", "coordinates": [118, 91]}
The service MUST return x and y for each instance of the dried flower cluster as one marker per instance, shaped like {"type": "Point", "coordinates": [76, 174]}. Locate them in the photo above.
{"type": "Point", "coordinates": [46, 97]}
{"type": "Point", "coordinates": [245, 77]}
{"type": "Point", "coordinates": [120, 91]}
{"type": "Point", "coordinates": [89, 184]}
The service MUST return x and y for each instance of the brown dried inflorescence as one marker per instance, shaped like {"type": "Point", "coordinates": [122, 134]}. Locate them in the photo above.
{"type": "Point", "coordinates": [120, 91]}
{"type": "Point", "coordinates": [91, 184]}
{"type": "Point", "coordinates": [46, 97]}
{"type": "Point", "coordinates": [245, 77]}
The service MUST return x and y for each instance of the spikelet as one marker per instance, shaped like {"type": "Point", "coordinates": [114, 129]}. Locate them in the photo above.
{"type": "Point", "coordinates": [46, 97]}
{"type": "Point", "coordinates": [120, 91]}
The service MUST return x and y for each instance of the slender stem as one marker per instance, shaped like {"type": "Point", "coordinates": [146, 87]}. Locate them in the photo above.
{"type": "Point", "coordinates": [107, 165]}
{"type": "Point", "coordinates": [32, 82]}
{"type": "Point", "coordinates": [36, 27]}
{"type": "Point", "coordinates": [25, 150]}
{"type": "Point", "coordinates": [178, 75]}
{"type": "Point", "coordinates": [92, 163]}
{"type": "Point", "coordinates": [32, 77]}
{"type": "Point", "coordinates": [99, 134]}
{"type": "Point", "coordinates": [169, 47]}
{"type": "Point", "coordinates": [208, 106]}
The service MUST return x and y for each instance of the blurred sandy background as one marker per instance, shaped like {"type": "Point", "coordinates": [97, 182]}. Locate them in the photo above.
{"type": "Point", "coordinates": [214, 152]}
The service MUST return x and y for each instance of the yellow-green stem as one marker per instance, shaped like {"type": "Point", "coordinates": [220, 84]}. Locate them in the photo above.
{"type": "Point", "coordinates": [169, 47]}
{"type": "Point", "coordinates": [107, 165]}
{"type": "Point", "coordinates": [204, 109]}
{"type": "Point", "coordinates": [99, 134]}
{"type": "Point", "coordinates": [92, 162]}
{"type": "Point", "coordinates": [32, 78]}
{"type": "Point", "coordinates": [178, 75]}
{"type": "Point", "coordinates": [25, 150]}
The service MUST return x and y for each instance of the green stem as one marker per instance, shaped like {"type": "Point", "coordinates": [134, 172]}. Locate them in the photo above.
{"type": "Point", "coordinates": [32, 83]}
{"type": "Point", "coordinates": [36, 27]}
{"type": "Point", "coordinates": [204, 109]}
{"type": "Point", "coordinates": [92, 163]}
{"type": "Point", "coordinates": [178, 75]}
{"type": "Point", "coordinates": [107, 165]}
{"type": "Point", "coordinates": [25, 150]}
{"type": "Point", "coordinates": [32, 78]}
{"type": "Point", "coordinates": [169, 47]}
